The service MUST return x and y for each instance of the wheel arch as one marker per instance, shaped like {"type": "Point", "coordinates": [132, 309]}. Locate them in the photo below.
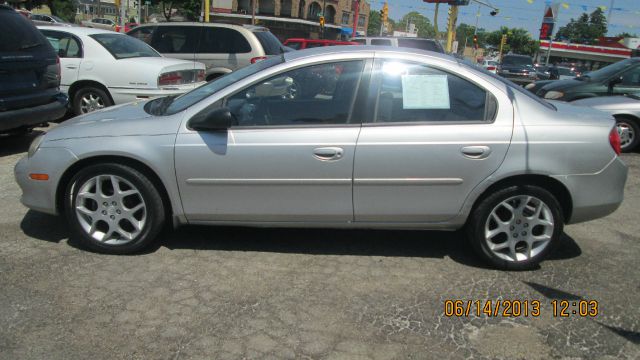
{"type": "Point", "coordinates": [84, 83]}
{"type": "Point", "coordinates": [122, 160]}
{"type": "Point", "coordinates": [630, 117]}
{"type": "Point", "coordinates": [554, 186]}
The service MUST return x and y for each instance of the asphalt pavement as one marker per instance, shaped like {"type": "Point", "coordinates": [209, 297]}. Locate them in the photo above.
{"type": "Point", "coordinates": [242, 293]}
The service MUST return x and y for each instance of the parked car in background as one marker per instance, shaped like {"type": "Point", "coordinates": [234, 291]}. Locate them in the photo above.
{"type": "Point", "coordinates": [565, 73]}
{"type": "Point", "coordinates": [621, 78]}
{"type": "Point", "coordinates": [406, 42]}
{"type": "Point", "coordinates": [99, 23]}
{"type": "Point", "coordinates": [127, 27]}
{"type": "Point", "coordinates": [101, 68]}
{"type": "Point", "coordinates": [52, 20]}
{"type": "Point", "coordinates": [235, 152]}
{"type": "Point", "coordinates": [518, 68]}
{"type": "Point", "coordinates": [29, 75]}
{"type": "Point", "coordinates": [223, 48]}
{"type": "Point", "coordinates": [490, 65]}
{"type": "Point", "coordinates": [300, 44]}
{"type": "Point", "coordinates": [626, 111]}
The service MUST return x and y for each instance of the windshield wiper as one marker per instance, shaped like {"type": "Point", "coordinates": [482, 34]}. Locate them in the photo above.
{"type": "Point", "coordinates": [30, 46]}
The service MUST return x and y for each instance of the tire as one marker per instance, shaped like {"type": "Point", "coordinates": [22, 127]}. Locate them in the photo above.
{"type": "Point", "coordinates": [97, 99]}
{"type": "Point", "coordinates": [113, 218]}
{"type": "Point", "coordinates": [629, 131]}
{"type": "Point", "coordinates": [520, 242]}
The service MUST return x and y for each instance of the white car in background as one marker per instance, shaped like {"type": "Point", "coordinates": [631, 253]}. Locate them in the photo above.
{"type": "Point", "coordinates": [101, 68]}
{"type": "Point", "coordinates": [490, 65]}
{"type": "Point", "coordinates": [99, 23]}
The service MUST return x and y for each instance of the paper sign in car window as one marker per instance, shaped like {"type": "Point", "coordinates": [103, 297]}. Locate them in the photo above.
{"type": "Point", "coordinates": [425, 92]}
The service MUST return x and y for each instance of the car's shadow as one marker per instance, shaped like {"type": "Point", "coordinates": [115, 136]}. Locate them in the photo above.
{"type": "Point", "coordinates": [392, 243]}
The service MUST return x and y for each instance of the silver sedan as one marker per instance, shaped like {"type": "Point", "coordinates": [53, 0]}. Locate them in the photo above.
{"type": "Point", "coordinates": [626, 111]}
{"type": "Point", "coordinates": [342, 137]}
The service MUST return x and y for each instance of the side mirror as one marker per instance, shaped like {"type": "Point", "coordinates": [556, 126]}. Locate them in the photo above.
{"type": "Point", "coordinates": [218, 119]}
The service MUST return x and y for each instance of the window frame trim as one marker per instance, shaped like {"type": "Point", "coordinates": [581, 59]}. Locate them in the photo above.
{"type": "Point", "coordinates": [376, 84]}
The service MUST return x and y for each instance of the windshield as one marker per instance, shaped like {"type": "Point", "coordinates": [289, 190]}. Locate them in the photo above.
{"type": "Point", "coordinates": [517, 61]}
{"type": "Point", "coordinates": [608, 71]}
{"type": "Point", "coordinates": [123, 47]}
{"type": "Point", "coordinates": [168, 106]}
{"type": "Point", "coordinates": [269, 42]}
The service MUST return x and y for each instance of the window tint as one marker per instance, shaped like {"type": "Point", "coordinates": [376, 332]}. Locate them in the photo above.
{"type": "Point", "coordinates": [313, 95]}
{"type": "Point", "coordinates": [631, 77]}
{"type": "Point", "coordinates": [269, 42]}
{"type": "Point", "coordinates": [385, 42]}
{"type": "Point", "coordinates": [217, 40]}
{"type": "Point", "coordinates": [65, 45]}
{"type": "Point", "coordinates": [145, 33]}
{"type": "Point", "coordinates": [429, 45]}
{"type": "Point", "coordinates": [412, 92]}
{"type": "Point", "coordinates": [17, 33]}
{"type": "Point", "coordinates": [175, 39]}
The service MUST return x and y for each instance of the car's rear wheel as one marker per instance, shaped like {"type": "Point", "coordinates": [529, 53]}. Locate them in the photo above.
{"type": "Point", "coordinates": [516, 227]}
{"type": "Point", "coordinates": [90, 98]}
{"type": "Point", "coordinates": [113, 208]}
{"type": "Point", "coordinates": [629, 131]}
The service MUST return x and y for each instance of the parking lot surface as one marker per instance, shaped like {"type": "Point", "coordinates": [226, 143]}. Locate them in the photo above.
{"type": "Point", "coordinates": [236, 293]}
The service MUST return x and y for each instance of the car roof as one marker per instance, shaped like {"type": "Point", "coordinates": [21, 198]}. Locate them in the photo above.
{"type": "Point", "coordinates": [193, 23]}
{"type": "Point", "coordinates": [78, 30]}
{"type": "Point", "coordinates": [394, 37]}
{"type": "Point", "coordinates": [359, 49]}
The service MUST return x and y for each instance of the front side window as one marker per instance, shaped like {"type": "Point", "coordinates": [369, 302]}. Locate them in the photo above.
{"type": "Point", "coordinates": [320, 94]}
{"type": "Point", "coordinates": [65, 45]}
{"type": "Point", "coordinates": [123, 46]}
{"type": "Point", "coordinates": [418, 93]}
{"type": "Point", "coordinates": [217, 40]}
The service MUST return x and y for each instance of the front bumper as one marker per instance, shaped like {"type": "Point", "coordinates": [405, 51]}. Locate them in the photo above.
{"type": "Point", "coordinates": [596, 195]}
{"type": "Point", "coordinates": [126, 95]}
{"type": "Point", "coordinates": [37, 194]}
{"type": "Point", "coordinates": [518, 79]}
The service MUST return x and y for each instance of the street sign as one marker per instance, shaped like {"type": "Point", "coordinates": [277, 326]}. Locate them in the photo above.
{"type": "Point", "coordinates": [548, 21]}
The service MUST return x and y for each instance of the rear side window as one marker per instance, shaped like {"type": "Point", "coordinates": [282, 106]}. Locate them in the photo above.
{"type": "Point", "coordinates": [65, 45]}
{"type": "Point", "coordinates": [123, 46]}
{"type": "Point", "coordinates": [428, 45]}
{"type": "Point", "coordinates": [145, 33]}
{"type": "Point", "coordinates": [418, 93]}
{"type": "Point", "coordinates": [269, 42]}
{"type": "Point", "coordinates": [215, 40]}
{"type": "Point", "coordinates": [384, 42]}
{"type": "Point", "coordinates": [17, 33]}
{"type": "Point", "coordinates": [175, 39]}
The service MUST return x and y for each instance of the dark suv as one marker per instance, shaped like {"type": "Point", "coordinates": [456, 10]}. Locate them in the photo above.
{"type": "Point", "coordinates": [518, 68]}
{"type": "Point", "coordinates": [29, 75]}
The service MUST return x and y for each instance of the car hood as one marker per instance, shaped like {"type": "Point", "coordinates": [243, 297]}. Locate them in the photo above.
{"type": "Point", "coordinates": [122, 120]}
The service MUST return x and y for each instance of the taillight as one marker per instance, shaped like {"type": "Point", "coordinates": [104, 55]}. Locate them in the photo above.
{"type": "Point", "coordinates": [199, 75]}
{"type": "Point", "coordinates": [491, 68]}
{"type": "Point", "coordinates": [258, 58]}
{"type": "Point", "coordinates": [170, 78]}
{"type": "Point", "coordinates": [614, 140]}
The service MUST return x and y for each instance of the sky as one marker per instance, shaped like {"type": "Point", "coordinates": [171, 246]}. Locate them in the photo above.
{"type": "Point", "coordinates": [526, 14]}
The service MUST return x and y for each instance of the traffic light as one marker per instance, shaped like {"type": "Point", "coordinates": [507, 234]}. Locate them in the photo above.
{"type": "Point", "coordinates": [321, 21]}
{"type": "Point", "coordinates": [475, 41]}
{"type": "Point", "coordinates": [385, 12]}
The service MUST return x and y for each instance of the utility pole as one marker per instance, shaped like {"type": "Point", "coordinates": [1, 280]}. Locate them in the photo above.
{"type": "Point", "coordinates": [609, 14]}
{"type": "Point", "coordinates": [435, 21]}
{"type": "Point", "coordinates": [123, 15]}
{"type": "Point", "coordinates": [253, 12]}
{"type": "Point", "coordinates": [140, 11]}
{"type": "Point", "coordinates": [207, 8]}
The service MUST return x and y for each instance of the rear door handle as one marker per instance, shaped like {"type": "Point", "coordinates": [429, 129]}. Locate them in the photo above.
{"type": "Point", "coordinates": [328, 153]}
{"type": "Point", "coordinates": [71, 67]}
{"type": "Point", "coordinates": [476, 152]}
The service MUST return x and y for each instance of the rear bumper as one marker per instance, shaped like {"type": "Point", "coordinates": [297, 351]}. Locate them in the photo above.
{"type": "Point", "coordinates": [596, 195]}
{"type": "Point", "coordinates": [29, 116]}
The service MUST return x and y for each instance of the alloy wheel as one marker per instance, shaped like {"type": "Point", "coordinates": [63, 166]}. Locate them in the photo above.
{"type": "Point", "coordinates": [91, 102]}
{"type": "Point", "coordinates": [627, 134]}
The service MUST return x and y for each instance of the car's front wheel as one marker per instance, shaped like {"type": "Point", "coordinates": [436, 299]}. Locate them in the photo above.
{"type": "Point", "coordinates": [114, 208]}
{"type": "Point", "coordinates": [516, 227]}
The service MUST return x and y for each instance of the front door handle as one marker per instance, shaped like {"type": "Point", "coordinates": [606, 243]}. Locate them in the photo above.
{"type": "Point", "coordinates": [328, 153]}
{"type": "Point", "coordinates": [476, 152]}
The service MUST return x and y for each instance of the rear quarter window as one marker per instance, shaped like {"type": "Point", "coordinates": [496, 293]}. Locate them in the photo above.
{"type": "Point", "coordinates": [269, 42]}
{"type": "Point", "coordinates": [216, 40]}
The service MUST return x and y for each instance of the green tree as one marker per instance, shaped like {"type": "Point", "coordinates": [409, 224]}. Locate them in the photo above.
{"type": "Point", "coordinates": [519, 41]}
{"type": "Point", "coordinates": [375, 22]}
{"type": "Point", "coordinates": [626, 35]}
{"type": "Point", "coordinates": [66, 9]}
{"type": "Point", "coordinates": [586, 30]}
{"type": "Point", "coordinates": [422, 23]}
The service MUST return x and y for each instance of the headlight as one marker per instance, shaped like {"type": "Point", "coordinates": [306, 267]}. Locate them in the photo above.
{"type": "Point", "coordinates": [530, 86]}
{"type": "Point", "coordinates": [35, 144]}
{"type": "Point", "coordinates": [552, 95]}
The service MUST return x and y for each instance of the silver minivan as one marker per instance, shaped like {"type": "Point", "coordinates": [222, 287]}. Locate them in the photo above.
{"type": "Point", "coordinates": [223, 48]}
